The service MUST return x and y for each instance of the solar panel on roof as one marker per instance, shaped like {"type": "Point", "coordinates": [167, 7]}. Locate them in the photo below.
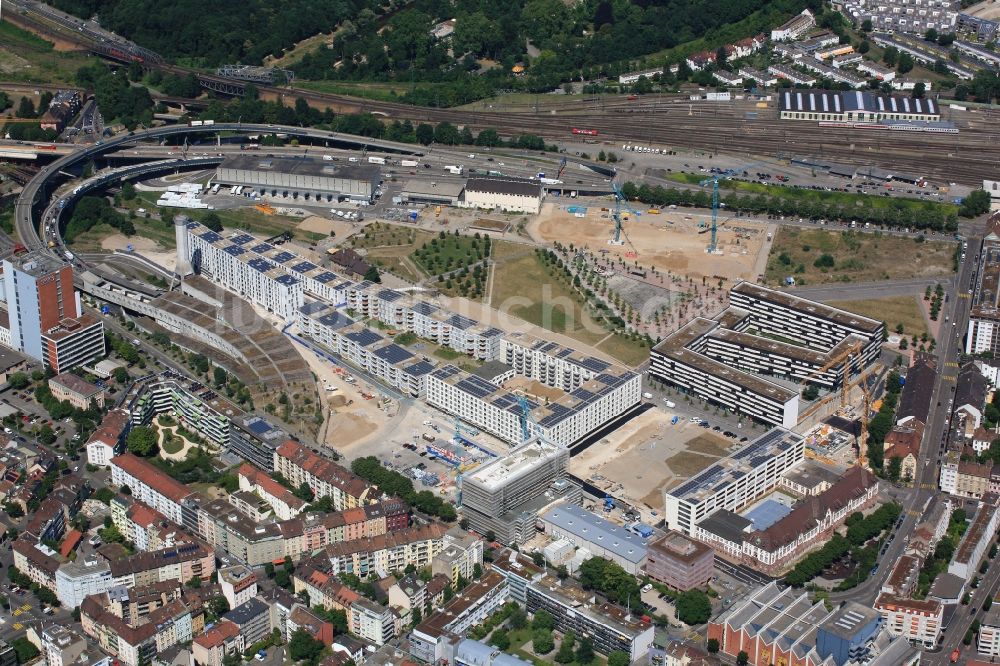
{"type": "Point", "coordinates": [303, 267]}
{"type": "Point", "coordinates": [313, 307]}
{"type": "Point", "coordinates": [594, 364]}
{"type": "Point", "coordinates": [419, 368]}
{"type": "Point", "coordinates": [364, 337]}
{"type": "Point", "coordinates": [260, 265]}
{"type": "Point", "coordinates": [393, 353]}
{"type": "Point", "coordinates": [260, 427]}
{"type": "Point", "coordinates": [389, 295]}
{"type": "Point", "coordinates": [492, 333]}
{"type": "Point", "coordinates": [286, 280]}
{"type": "Point", "coordinates": [234, 250]}
{"type": "Point", "coordinates": [283, 256]}
{"type": "Point", "coordinates": [476, 387]}
{"type": "Point", "coordinates": [211, 237]}
{"type": "Point", "coordinates": [261, 248]}
{"type": "Point", "coordinates": [325, 277]}
{"type": "Point", "coordinates": [460, 322]}
{"type": "Point", "coordinates": [424, 308]}
{"type": "Point", "coordinates": [242, 239]}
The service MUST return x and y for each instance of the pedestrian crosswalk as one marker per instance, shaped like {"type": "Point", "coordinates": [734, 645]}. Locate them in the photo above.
{"type": "Point", "coordinates": [951, 364]}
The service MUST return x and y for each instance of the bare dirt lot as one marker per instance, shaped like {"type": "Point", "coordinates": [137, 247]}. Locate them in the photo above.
{"type": "Point", "coordinates": [647, 456]}
{"type": "Point", "coordinates": [322, 225]}
{"type": "Point", "coordinates": [670, 241]}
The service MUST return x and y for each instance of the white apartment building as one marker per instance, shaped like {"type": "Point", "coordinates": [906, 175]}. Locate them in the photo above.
{"type": "Point", "coordinates": [633, 77]}
{"type": "Point", "coordinates": [734, 482]}
{"type": "Point", "coordinates": [918, 621]}
{"type": "Point", "coordinates": [988, 643]}
{"type": "Point", "coordinates": [562, 421]}
{"type": "Point", "coordinates": [795, 27]}
{"type": "Point", "coordinates": [61, 646]}
{"type": "Point", "coordinates": [549, 362]}
{"type": "Point", "coordinates": [149, 485]}
{"type": "Point", "coordinates": [372, 621]}
{"type": "Point", "coordinates": [77, 580]}
{"type": "Point", "coordinates": [426, 320]}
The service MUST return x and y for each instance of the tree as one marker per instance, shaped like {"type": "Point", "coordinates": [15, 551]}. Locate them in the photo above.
{"type": "Point", "coordinates": [565, 654]}
{"type": "Point", "coordinates": [543, 621]}
{"type": "Point", "coordinates": [811, 392]}
{"type": "Point", "coordinates": [619, 658]}
{"type": "Point", "coordinates": [693, 607]}
{"type": "Point", "coordinates": [19, 381]}
{"type": "Point", "coordinates": [303, 647]}
{"type": "Point", "coordinates": [425, 134]}
{"type": "Point", "coordinates": [919, 90]}
{"type": "Point", "coordinates": [712, 646]}
{"type": "Point", "coordinates": [500, 639]}
{"type": "Point", "coordinates": [304, 492]}
{"type": "Point", "coordinates": [372, 275]}
{"type": "Point", "coordinates": [975, 204]}
{"type": "Point", "coordinates": [585, 652]}
{"type": "Point", "coordinates": [212, 221]}
{"type": "Point", "coordinates": [866, 25]}
{"type": "Point", "coordinates": [121, 375]}
{"type": "Point", "coordinates": [742, 659]}
{"type": "Point", "coordinates": [141, 441]}
{"type": "Point", "coordinates": [824, 261]}
{"type": "Point", "coordinates": [894, 468]}
{"type": "Point", "coordinates": [538, 558]}
{"type": "Point", "coordinates": [13, 509]}
{"type": "Point", "coordinates": [24, 650]}
{"type": "Point", "coordinates": [931, 35]}
{"type": "Point", "coordinates": [26, 109]}
{"type": "Point", "coordinates": [542, 641]}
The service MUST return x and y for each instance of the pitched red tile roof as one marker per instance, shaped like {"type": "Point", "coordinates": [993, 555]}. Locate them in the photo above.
{"type": "Point", "coordinates": [152, 476]}
{"type": "Point", "coordinates": [218, 635]}
{"type": "Point", "coordinates": [70, 542]}
{"type": "Point", "coordinates": [270, 486]}
{"type": "Point", "coordinates": [323, 469]}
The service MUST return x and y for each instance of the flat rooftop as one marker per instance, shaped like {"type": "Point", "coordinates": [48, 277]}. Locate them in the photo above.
{"type": "Point", "coordinates": [737, 465]}
{"type": "Point", "coordinates": [518, 462]}
{"type": "Point", "coordinates": [583, 603]}
{"type": "Point", "coordinates": [586, 526]}
{"type": "Point", "coordinates": [304, 166]}
{"type": "Point", "coordinates": [37, 263]}
{"type": "Point", "coordinates": [815, 308]}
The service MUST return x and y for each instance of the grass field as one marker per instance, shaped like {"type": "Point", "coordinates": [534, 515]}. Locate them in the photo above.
{"type": "Point", "coordinates": [857, 257]}
{"type": "Point", "coordinates": [524, 288]}
{"type": "Point", "coordinates": [390, 246]}
{"type": "Point", "coordinates": [386, 92]}
{"type": "Point", "coordinates": [846, 200]}
{"type": "Point", "coordinates": [18, 46]}
{"type": "Point", "coordinates": [894, 310]}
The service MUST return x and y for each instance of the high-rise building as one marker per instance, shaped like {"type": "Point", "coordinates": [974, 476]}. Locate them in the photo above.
{"type": "Point", "coordinates": [44, 317]}
{"type": "Point", "coordinates": [507, 486]}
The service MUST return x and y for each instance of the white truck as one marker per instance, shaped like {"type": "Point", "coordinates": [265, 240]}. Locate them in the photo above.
{"type": "Point", "coordinates": [456, 170]}
{"type": "Point", "coordinates": [409, 163]}
{"type": "Point", "coordinates": [376, 160]}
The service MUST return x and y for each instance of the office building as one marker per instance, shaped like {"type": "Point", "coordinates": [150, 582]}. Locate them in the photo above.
{"type": "Point", "coordinates": [75, 581]}
{"type": "Point", "coordinates": [610, 627]}
{"type": "Point", "coordinates": [735, 481]}
{"type": "Point", "coordinates": [505, 484]}
{"type": "Point", "coordinates": [984, 317]}
{"type": "Point", "coordinates": [679, 562]}
{"type": "Point", "coordinates": [601, 538]}
{"type": "Point", "coordinates": [252, 618]}
{"type": "Point", "coordinates": [76, 391]}
{"type": "Point", "coordinates": [301, 179]}
{"type": "Point", "coordinates": [255, 439]}
{"type": "Point", "coordinates": [45, 318]}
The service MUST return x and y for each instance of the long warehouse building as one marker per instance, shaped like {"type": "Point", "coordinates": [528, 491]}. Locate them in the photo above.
{"type": "Point", "coordinates": [301, 179]}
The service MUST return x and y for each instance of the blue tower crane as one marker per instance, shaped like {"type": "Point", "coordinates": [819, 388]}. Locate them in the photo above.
{"type": "Point", "coordinates": [522, 402]}
{"type": "Point", "coordinates": [621, 202]}
{"type": "Point", "coordinates": [714, 180]}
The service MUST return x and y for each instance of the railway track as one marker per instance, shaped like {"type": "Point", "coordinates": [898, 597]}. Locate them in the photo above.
{"type": "Point", "coordinates": [673, 121]}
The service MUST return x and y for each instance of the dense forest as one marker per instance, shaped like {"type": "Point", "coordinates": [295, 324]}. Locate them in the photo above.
{"type": "Point", "coordinates": [395, 43]}
{"type": "Point", "coordinates": [222, 31]}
